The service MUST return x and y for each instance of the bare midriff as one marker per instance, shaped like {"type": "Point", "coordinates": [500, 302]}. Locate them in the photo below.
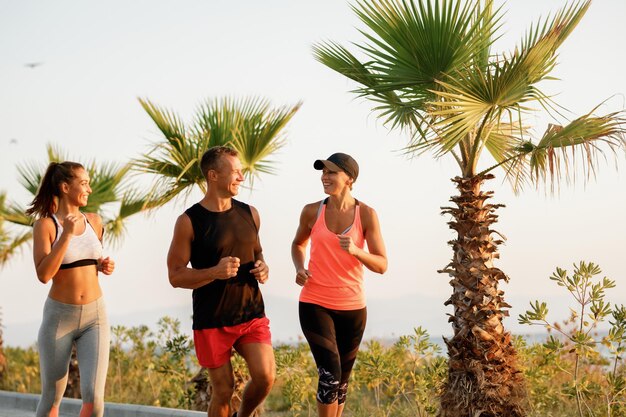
{"type": "Point", "coordinates": [76, 286]}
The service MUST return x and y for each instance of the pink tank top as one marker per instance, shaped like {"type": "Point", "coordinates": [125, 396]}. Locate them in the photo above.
{"type": "Point", "coordinates": [336, 280]}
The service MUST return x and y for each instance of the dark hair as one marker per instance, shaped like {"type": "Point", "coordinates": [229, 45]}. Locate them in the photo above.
{"type": "Point", "coordinates": [43, 204]}
{"type": "Point", "coordinates": [212, 158]}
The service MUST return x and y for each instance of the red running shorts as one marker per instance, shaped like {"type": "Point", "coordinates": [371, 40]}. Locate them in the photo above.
{"type": "Point", "coordinates": [214, 346]}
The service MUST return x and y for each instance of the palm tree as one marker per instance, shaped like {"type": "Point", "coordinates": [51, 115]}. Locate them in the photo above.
{"type": "Point", "coordinates": [428, 67]}
{"type": "Point", "coordinates": [251, 126]}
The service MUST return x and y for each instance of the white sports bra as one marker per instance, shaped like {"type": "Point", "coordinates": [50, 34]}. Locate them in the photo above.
{"type": "Point", "coordinates": [84, 249]}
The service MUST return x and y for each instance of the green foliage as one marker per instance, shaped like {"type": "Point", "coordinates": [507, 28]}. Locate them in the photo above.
{"type": "Point", "coordinates": [22, 370]}
{"type": "Point", "coordinates": [10, 240]}
{"type": "Point", "coordinates": [296, 380]}
{"type": "Point", "coordinates": [570, 365]}
{"type": "Point", "coordinates": [402, 379]}
{"type": "Point", "coordinates": [149, 368]}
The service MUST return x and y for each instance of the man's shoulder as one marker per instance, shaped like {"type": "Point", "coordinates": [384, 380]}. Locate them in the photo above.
{"type": "Point", "coordinates": [194, 211]}
{"type": "Point", "coordinates": [193, 207]}
{"type": "Point", "coordinates": [241, 205]}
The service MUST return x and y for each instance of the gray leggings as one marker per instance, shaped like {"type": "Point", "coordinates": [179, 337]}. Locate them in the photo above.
{"type": "Point", "coordinates": [63, 324]}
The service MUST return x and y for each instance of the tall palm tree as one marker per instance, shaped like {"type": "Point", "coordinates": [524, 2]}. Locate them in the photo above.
{"type": "Point", "coordinates": [428, 67]}
{"type": "Point", "coordinates": [251, 126]}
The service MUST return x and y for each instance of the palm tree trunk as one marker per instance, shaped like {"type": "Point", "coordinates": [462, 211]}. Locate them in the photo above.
{"type": "Point", "coordinates": [483, 379]}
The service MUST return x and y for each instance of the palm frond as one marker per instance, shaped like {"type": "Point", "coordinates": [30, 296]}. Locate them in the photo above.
{"type": "Point", "coordinates": [166, 121]}
{"type": "Point", "coordinates": [107, 184]}
{"type": "Point", "coordinates": [555, 156]}
{"type": "Point", "coordinates": [132, 202]}
{"type": "Point", "coordinates": [11, 245]}
{"type": "Point", "coordinates": [260, 134]}
{"type": "Point", "coordinates": [412, 47]}
{"type": "Point", "coordinates": [10, 241]}
{"type": "Point", "coordinates": [249, 125]}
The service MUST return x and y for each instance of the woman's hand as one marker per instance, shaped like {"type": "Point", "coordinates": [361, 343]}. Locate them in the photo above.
{"type": "Point", "coordinates": [106, 265]}
{"type": "Point", "coordinates": [70, 223]}
{"type": "Point", "coordinates": [302, 275]}
{"type": "Point", "coordinates": [347, 244]}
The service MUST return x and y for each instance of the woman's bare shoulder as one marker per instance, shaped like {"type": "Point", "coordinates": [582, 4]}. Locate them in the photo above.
{"type": "Point", "coordinates": [44, 223]}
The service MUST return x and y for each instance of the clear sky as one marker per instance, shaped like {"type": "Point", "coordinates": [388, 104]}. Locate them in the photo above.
{"type": "Point", "coordinates": [98, 57]}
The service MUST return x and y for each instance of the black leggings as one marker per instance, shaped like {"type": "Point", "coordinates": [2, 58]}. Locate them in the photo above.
{"type": "Point", "coordinates": [334, 337]}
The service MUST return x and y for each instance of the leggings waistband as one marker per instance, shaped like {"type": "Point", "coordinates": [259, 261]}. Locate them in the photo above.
{"type": "Point", "coordinates": [92, 306]}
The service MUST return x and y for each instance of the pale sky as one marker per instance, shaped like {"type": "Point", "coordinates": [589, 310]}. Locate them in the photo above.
{"type": "Point", "coordinates": [98, 57]}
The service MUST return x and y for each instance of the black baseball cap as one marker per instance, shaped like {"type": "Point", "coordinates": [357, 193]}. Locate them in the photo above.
{"type": "Point", "coordinates": [339, 162]}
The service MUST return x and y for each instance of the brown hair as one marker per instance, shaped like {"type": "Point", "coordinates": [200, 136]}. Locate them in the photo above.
{"type": "Point", "coordinates": [44, 203]}
{"type": "Point", "coordinates": [212, 158]}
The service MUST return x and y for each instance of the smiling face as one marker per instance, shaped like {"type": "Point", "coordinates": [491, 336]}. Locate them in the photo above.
{"type": "Point", "coordinates": [334, 182]}
{"type": "Point", "coordinates": [229, 176]}
{"type": "Point", "coordinates": [78, 189]}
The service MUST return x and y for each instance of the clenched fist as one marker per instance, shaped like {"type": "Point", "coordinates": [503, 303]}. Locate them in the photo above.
{"type": "Point", "coordinates": [261, 271]}
{"type": "Point", "coordinates": [227, 267]}
{"type": "Point", "coordinates": [106, 265]}
{"type": "Point", "coordinates": [302, 275]}
{"type": "Point", "coordinates": [346, 243]}
{"type": "Point", "coordinates": [70, 223]}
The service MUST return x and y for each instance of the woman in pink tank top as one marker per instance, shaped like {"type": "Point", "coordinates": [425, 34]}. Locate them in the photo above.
{"type": "Point", "coordinates": [332, 302]}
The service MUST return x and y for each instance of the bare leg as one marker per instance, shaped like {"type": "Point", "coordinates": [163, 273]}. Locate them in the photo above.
{"type": "Point", "coordinates": [327, 410]}
{"type": "Point", "coordinates": [222, 383]}
{"type": "Point", "coordinates": [260, 360]}
{"type": "Point", "coordinates": [330, 410]}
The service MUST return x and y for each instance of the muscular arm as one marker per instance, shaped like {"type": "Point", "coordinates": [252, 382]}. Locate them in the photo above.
{"type": "Point", "coordinates": [180, 275]}
{"type": "Point", "coordinates": [47, 258]}
{"type": "Point", "coordinates": [376, 259]}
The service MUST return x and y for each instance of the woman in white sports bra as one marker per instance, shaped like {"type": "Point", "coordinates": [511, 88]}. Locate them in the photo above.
{"type": "Point", "coordinates": [67, 250]}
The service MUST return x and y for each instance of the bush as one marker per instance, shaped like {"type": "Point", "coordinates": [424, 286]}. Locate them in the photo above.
{"type": "Point", "coordinates": [568, 374]}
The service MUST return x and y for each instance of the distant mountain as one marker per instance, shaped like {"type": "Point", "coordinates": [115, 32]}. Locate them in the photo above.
{"type": "Point", "coordinates": [387, 319]}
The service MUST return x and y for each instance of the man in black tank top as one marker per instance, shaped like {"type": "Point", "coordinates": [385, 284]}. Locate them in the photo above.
{"type": "Point", "coordinates": [219, 236]}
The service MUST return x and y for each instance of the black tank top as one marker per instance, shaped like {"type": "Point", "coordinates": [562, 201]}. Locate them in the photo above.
{"type": "Point", "coordinates": [218, 234]}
